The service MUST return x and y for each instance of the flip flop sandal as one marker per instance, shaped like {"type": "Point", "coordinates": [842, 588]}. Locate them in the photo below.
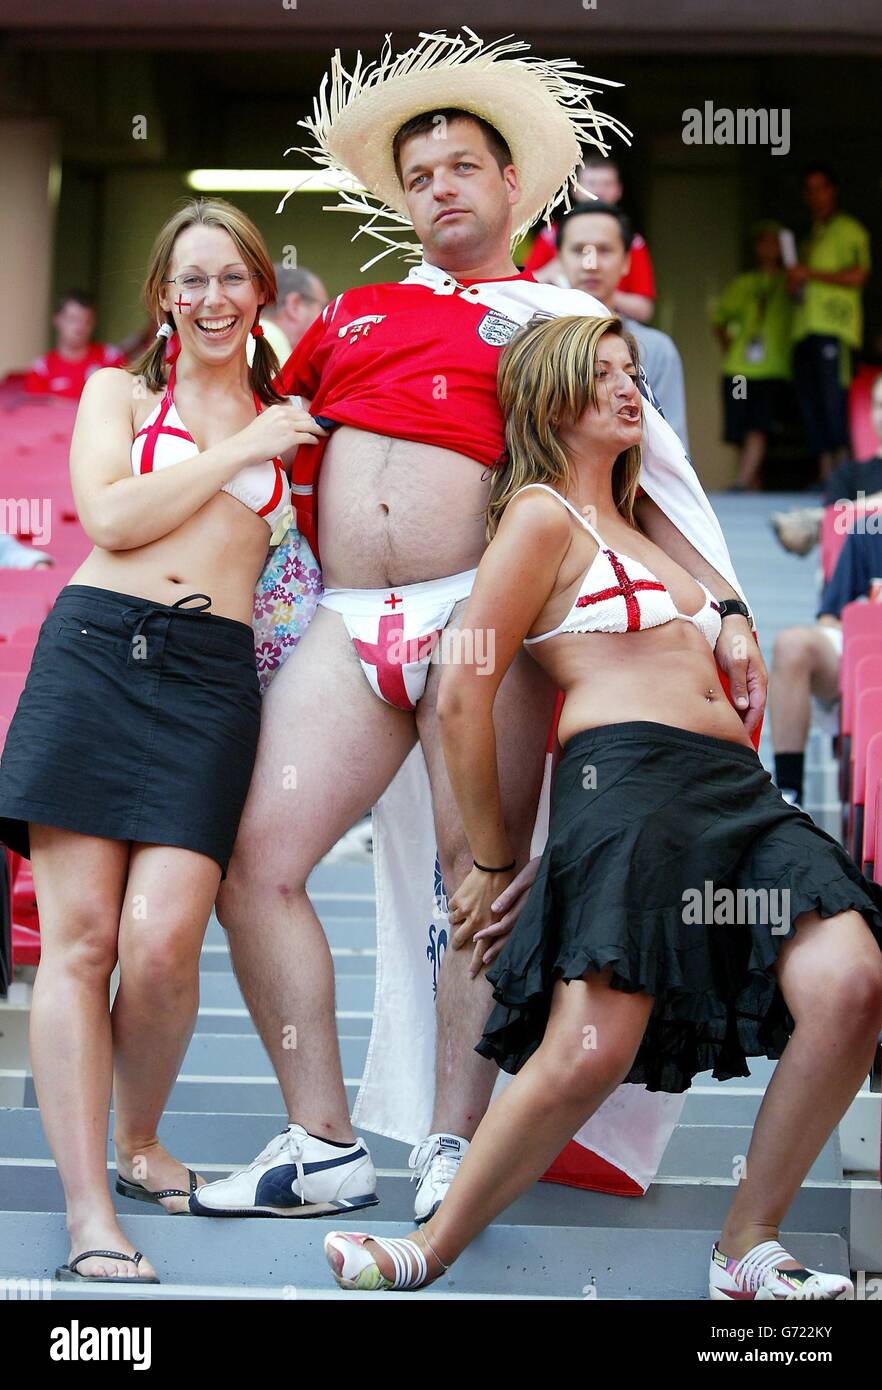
{"type": "Point", "coordinates": [139, 1193]}
{"type": "Point", "coordinates": [69, 1273]}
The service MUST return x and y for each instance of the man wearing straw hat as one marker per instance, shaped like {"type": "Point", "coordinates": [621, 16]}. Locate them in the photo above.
{"type": "Point", "coordinates": [466, 144]}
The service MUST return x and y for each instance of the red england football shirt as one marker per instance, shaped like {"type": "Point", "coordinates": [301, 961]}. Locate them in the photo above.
{"type": "Point", "coordinates": [55, 375]}
{"type": "Point", "coordinates": [399, 360]}
{"type": "Point", "coordinates": [640, 278]}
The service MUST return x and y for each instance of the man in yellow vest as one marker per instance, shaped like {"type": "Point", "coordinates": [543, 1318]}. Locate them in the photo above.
{"type": "Point", "coordinates": [828, 322]}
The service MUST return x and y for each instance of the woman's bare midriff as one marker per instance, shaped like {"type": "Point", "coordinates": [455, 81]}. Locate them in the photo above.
{"type": "Point", "coordinates": [665, 674]}
{"type": "Point", "coordinates": [394, 512]}
{"type": "Point", "coordinates": [219, 551]}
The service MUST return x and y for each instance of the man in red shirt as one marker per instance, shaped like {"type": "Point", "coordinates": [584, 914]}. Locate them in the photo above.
{"type": "Point", "coordinates": [63, 370]}
{"type": "Point", "coordinates": [635, 297]}
{"type": "Point", "coordinates": [403, 376]}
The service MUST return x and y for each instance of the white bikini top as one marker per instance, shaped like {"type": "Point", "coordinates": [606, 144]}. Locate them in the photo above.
{"type": "Point", "coordinates": [618, 594]}
{"type": "Point", "coordinates": [164, 439]}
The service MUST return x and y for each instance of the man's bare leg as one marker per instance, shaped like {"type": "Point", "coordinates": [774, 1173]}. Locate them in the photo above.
{"type": "Point", "coordinates": [328, 749]}
{"type": "Point", "coordinates": [750, 460]}
{"type": "Point", "coordinates": [522, 717]}
{"type": "Point", "coordinates": [805, 663]}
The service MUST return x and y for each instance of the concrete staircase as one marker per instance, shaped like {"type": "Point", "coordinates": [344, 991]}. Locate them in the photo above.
{"type": "Point", "coordinates": [555, 1242]}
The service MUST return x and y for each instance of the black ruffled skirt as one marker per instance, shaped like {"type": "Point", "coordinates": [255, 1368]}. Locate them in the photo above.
{"type": "Point", "coordinates": [672, 858]}
{"type": "Point", "coordinates": [139, 721]}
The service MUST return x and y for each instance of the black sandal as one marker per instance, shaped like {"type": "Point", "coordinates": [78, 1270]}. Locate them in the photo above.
{"type": "Point", "coordinates": [139, 1193]}
{"type": "Point", "coordinates": [68, 1273]}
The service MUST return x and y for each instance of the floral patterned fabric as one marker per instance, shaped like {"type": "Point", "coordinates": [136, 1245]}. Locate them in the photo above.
{"type": "Point", "coordinates": [285, 599]}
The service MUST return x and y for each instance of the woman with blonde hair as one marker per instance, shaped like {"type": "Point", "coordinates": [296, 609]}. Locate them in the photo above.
{"type": "Point", "coordinates": [129, 756]}
{"type": "Point", "coordinates": [615, 971]}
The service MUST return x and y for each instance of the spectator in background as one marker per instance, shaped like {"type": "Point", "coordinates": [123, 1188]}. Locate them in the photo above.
{"type": "Point", "coordinates": [753, 323]}
{"type": "Point", "coordinates": [806, 660]}
{"type": "Point", "coordinates": [634, 296]}
{"type": "Point", "coordinates": [302, 297]}
{"type": "Point", "coordinates": [65, 369]}
{"type": "Point", "coordinates": [594, 243]}
{"type": "Point", "coordinates": [828, 321]}
{"type": "Point", "coordinates": [799, 530]}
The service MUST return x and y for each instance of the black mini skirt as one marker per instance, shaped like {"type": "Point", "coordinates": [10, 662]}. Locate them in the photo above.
{"type": "Point", "coordinates": [672, 858]}
{"type": "Point", "coordinates": [139, 721]}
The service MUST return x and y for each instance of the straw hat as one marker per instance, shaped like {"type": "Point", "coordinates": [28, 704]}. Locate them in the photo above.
{"type": "Point", "coordinates": [540, 107]}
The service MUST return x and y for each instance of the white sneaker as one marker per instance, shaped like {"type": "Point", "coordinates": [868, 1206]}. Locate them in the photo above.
{"type": "Point", "coordinates": [758, 1275]}
{"type": "Point", "coordinates": [435, 1162]}
{"type": "Point", "coordinates": [296, 1175]}
{"type": "Point", "coordinates": [798, 530]}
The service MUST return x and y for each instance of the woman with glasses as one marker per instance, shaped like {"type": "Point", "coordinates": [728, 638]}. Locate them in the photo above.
{"type": "Point", "coordinates": [130, 753]}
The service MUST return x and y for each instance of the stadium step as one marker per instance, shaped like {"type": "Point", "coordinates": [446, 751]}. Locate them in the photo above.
{"type": "Point", "coordinates": [216, 1144]}
{"type": "Point", "coordinates": [286, 1257]}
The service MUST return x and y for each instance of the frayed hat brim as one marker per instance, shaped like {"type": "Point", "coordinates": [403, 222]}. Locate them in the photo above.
{"type": "Point", "coordinates": [541, 107]}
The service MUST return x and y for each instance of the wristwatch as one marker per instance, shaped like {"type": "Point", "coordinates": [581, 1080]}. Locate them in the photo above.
{"type": "Point", "coordinates": [728, 606]}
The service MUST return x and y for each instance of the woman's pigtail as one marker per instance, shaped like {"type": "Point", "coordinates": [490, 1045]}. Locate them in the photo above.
{"type": "Point", "coordinates": [150, 364]}
{"type": "Point", "coordinates": [263, 372]}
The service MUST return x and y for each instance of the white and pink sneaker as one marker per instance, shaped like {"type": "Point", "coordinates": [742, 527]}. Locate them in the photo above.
{"type": "Point", "coordinates": [758, 1274]}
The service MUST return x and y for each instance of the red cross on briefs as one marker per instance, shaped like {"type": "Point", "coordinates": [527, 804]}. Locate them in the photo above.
{"type": "Point", "coordinates": [390, 675]}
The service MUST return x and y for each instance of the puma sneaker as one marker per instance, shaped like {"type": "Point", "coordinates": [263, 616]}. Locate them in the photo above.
{"type": "Point", "coordinates": [434, 1162]}
{"type": "Point", "coordinates": [295, 1175]}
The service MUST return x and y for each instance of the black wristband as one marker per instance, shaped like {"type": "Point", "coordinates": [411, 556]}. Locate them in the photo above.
{"type": "Point", "coordinates": [502, 870]}
{"type": "Point", "coordinates": [728, 606]}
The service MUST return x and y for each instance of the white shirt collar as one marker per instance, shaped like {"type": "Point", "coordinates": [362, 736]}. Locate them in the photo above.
{"type": "Point", "coordinates": [441, 281]}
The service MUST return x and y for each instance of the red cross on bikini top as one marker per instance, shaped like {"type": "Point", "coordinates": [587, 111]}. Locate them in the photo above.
{"type": "Point", "coordinates": [164, 440]}
{"type": "Point", "coordinates": [618, 594]}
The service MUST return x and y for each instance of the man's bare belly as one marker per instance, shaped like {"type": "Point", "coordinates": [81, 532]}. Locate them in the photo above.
{"type": "Point", "coordinates": [219, 551]}
{"type": "Point", "coordinates": [393, 512]}
{"type": "Point", "coordinates": [667, 675]}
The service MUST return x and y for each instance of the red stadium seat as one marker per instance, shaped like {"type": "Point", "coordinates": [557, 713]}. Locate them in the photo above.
{"type": "Point", "coordinates": [25, 944]}
{"type": "Point", "coordinates": [25, 931]}
{"type": "Point", "coordinates": [832, 541]}
{"type": "Point", "coordinates": [860, 424]}
{"type": "Point", "coordinates": [19, 610]}
{"type": "Point", "coordinates": [24, 900]}
{"type": "Point", "coordinates": [69, 543]}
{"type": "Point", "coordinates": [16, 656]}
{"type": "Point", "coordinates": [25, 636]}
{"type": "Point", "coordinates": [43, 582]}
{"type": "Point", "coordinates": [867, 722]}
{"type": "Point", "coordinates": [836, 522]}
{"type": "Point", "coordinates": [853, 652]}
{"type": "Point", "coordinates": [11, 686]}
{"type": "Point", "coordinates": [872, 799]}
{"type": "Point", "coordinates": [861, 636]}
{"type": "Point", "coordinates": [861, 619]}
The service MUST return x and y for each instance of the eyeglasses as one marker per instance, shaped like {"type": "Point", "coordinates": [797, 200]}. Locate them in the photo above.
{"type": "Point", "coordinates": [229, 280]}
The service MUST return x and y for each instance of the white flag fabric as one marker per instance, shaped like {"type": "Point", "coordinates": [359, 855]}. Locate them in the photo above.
{"type": "Point", "coordinates": [620, 1147]}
